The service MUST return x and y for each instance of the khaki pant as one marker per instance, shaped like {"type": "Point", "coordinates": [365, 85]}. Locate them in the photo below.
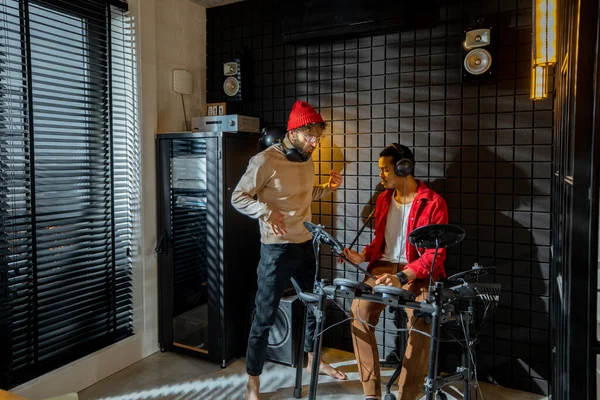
{"type": "Point", "coordinates": [416, 356]}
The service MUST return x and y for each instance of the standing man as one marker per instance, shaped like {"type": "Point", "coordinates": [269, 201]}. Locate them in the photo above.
{"type": "Point", "coordinates": [405, 205]}
{"type": "Point", "coordinates": [277, 189]}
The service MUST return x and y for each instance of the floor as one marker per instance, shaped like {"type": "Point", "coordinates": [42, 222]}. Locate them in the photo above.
{"type": "Point", "coordinates": [173, 376]}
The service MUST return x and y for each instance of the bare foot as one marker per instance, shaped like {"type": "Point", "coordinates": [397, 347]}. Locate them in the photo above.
{"type": "Point", "coordinates": [251, 394]}
{"type": "Point", "coordinates": [326, 369]}
{"type": "Point", "coordinates": [252, 388]}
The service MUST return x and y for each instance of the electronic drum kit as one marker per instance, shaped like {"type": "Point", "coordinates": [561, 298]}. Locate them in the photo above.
{"type": "Point", "coordinates": [442, 306]}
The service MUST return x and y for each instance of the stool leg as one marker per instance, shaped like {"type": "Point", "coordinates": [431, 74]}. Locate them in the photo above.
{"type": "Point", "coordinates": [393, 379]}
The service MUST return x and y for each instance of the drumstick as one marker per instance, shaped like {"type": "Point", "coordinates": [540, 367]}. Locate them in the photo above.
{"type": "Point", "coordinates": [362, 229]}
{"type": "Point", "coordinates": [370, 275]}
{"type": "Point", "coordinates": [367, 273]}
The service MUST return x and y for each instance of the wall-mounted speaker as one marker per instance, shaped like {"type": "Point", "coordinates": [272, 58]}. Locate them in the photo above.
{"type": "Point", "coordinates": [236, 80]}
{"type": "Point", "coordinates": [478, 55]}
{"type": "Point", "coordinates": [232, 83]}
{"type": "Point", "coordinates": [285, 333]}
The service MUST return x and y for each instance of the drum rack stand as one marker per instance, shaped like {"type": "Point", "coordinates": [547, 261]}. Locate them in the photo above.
{"type": "Point", "coordinates": [426, 237]}
{"type": "Point", "coordinates": [316, 303]}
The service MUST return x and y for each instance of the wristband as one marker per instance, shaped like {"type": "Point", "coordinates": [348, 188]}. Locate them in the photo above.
{"type": "Point", "coordinates": [403, 278]}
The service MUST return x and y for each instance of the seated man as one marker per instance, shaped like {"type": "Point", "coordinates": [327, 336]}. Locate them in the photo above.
{"type": "Point", "coordinates": [405, 205]}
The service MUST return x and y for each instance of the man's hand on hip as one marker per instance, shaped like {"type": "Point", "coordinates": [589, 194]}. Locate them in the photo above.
{"type": "Point", "coordinates": [277, 223]}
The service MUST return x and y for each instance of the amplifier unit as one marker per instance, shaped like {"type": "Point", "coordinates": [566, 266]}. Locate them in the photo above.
{"type": "Point", "coordinates": [226, 123]}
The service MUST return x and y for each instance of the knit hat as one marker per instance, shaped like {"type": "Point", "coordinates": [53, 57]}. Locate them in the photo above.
{"type": "Point", "coordinates": [302, 114]}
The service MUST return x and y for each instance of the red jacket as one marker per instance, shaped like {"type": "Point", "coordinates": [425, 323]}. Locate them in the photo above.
{"type": "Point", "coordinates": [428, 207]}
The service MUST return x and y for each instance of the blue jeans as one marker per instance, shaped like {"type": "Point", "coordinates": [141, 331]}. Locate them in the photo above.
{"type": "Point", "coordinates": [278, 263]}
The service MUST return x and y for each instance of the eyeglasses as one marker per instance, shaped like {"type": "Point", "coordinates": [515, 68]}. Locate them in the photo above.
{"type": "Point", "coordinates": [311, 139]}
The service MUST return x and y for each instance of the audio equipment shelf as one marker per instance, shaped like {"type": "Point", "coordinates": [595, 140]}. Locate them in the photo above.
{"type": "Point", "coordinates": [207, 251]}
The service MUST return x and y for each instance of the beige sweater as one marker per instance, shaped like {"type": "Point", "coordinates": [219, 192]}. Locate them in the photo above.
{"type": "Point", "coordinates": [279, 184]}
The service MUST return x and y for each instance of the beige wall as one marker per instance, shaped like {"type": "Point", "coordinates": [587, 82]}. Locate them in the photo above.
{"type": "Point", "coordinates": [170, 34]}
{"type": "Point", "coordinates": [180, 44]}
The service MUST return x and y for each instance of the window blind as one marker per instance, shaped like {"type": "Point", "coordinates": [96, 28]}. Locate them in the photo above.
{"type": "Point", "coordinates": [69, 176]}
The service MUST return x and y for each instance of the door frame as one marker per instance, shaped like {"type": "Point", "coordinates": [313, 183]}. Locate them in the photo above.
{"type": "Point", "coordinates": [574, 270]}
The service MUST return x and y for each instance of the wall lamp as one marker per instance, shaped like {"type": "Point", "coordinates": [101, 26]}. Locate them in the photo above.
{"type": "Point", "coordinates": [543, 46]}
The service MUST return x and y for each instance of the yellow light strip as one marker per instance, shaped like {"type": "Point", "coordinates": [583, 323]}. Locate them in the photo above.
{"type": "Point", "coordinates": [541, 53]}
{"type": "Point", "coordinates": [544, 46]}
{"type": "Point", "coordinates": [551, 32]}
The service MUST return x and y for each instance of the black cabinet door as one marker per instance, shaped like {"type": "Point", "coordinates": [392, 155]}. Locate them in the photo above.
{"type": "Point", "coordinates": [189, 273]}
{"type": "Point", "coordinates": [241, 249]}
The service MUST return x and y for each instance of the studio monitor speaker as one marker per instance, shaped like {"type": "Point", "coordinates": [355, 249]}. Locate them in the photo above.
{"type": "Point", "coordinates": [285, 333]}
{"type": "Point", "coordinates": [237, 78]}
{"type": "Point", "coordinates": [478, 54]}
{"type": "Point", "coordinates": [232, 80]}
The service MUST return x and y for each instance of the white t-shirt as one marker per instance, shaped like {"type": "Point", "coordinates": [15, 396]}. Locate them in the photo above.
{"type": "Point", "coordinates": [395, 232]}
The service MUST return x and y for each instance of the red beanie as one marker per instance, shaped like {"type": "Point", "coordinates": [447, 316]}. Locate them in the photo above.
{"type": "Point", "coordinates": [302, 114]}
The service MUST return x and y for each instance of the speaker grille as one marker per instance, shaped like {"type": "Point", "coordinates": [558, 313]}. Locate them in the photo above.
{"type": "Point", "coordinates": [477, 38]}
{"type": "Point", "coordinates": [285, 332]}
{"type": "Point", "coordinates": [231, 86]}
{"type": "Point", "coordinates": [281, 330]}
{"type": "Point", "coordinates": [478, 61]}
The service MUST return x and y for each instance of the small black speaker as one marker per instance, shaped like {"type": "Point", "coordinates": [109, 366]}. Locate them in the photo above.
{"type": "Point", "coordinates": [237, 79]}
{"type": "Point", "coordinates": [285, 333]}
{"type": "Point", "coordinates": [478, 51]}
{"type": "Point", "coordinates": [232, 83]}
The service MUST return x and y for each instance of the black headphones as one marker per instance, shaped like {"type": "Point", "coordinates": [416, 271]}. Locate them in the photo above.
{"type": "Point", "coordinates": [293, 154]}
{"type": "Point", "coordinates": [270, 135]}
{"type": "Point", "coordinates": [405, 165]}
